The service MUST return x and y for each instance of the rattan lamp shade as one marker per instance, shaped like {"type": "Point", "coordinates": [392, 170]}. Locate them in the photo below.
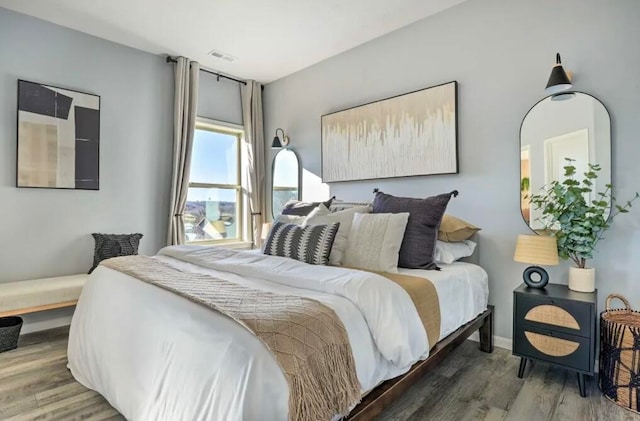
{"type": "Point", "coordinates": [536, 250]}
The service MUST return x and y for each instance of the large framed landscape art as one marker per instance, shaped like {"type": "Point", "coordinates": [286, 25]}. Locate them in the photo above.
{"type": "Point", "coordinates": [58, 138]}
{"type": "Point", "coordinates": [406, 135]}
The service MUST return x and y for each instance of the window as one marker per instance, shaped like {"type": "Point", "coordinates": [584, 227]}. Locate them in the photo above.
{"type": "Point", "coordinates": [214, 202]}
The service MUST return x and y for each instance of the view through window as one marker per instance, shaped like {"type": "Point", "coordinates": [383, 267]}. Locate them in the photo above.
{"type": "Point", "coordinates": [214, 206]}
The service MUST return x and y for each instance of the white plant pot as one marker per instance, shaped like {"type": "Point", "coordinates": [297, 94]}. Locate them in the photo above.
{"type": "Point", "coordinates": [582, 280]}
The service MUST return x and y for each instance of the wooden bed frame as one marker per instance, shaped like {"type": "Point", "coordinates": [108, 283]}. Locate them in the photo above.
{"type": "Point", "coordinates": [387, 392]}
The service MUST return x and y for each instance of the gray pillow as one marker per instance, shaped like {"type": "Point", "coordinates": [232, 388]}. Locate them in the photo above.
{"type": "Point", "coordinates": [311, 244]}
{"type": "Point", "coordinates": [296, 207]}
{"type": "Point", "coordinates": [419, 243]}
{"type": "Point", "coordinates": [114, 245]}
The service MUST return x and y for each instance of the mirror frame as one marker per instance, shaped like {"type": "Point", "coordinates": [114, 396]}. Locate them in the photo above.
{"type": "Point", "coordinates": [520, 147]}
{"type": "Point", "coordinates": [273, 167]}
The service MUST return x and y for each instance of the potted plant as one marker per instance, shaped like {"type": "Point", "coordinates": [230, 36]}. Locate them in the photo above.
{"type": "Point", "coordinates": [577, 221]}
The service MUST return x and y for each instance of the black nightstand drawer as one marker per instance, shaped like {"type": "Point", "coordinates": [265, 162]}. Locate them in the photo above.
{"type": "Point", "coordinates": [567, 316]}
{"type": "Point", "coordinates": [571, 351]}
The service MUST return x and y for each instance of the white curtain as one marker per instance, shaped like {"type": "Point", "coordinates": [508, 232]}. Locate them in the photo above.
{"type": "Point", "coordinates": [254, 138]}
{"type": "Point", "coordinates": [184, 121]}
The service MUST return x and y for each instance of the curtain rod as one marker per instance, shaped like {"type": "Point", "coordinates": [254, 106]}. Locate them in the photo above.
{"type": "Point", "coordinates": [218, 75]}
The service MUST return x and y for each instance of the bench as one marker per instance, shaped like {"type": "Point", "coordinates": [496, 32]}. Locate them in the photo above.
{"type": "Point", "coordinates": [34, 295]}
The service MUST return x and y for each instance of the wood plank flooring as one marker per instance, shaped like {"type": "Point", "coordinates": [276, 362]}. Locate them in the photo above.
{"type": "Point", "coordinates": [470, 385]}
{"type": "Point", "coordinates": [35, 383]}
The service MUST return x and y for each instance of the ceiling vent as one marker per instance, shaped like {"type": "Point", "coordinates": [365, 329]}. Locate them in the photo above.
{"type": "Point", "coordinates": [222, 56]}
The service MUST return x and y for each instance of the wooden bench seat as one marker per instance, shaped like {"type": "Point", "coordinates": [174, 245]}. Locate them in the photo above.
{"type": "Point", "coordinates": [24, 297]}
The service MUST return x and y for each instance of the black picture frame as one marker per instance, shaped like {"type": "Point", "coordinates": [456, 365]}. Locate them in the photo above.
{"type": "Point", "coordinates": [74, 116]}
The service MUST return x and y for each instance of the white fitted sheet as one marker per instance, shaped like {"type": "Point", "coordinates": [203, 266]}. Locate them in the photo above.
{"type": "Point", "coordinates": [157, 356]}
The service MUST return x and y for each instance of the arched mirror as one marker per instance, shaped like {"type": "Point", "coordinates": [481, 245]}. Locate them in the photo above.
{"type": "Point", "coordinates": [285, 178]}
{"type": "Point", "coordinates": [571, 125]}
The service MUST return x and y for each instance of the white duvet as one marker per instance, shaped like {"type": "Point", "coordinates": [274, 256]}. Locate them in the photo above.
{"type": "Point", "coordinates": [157, 356]}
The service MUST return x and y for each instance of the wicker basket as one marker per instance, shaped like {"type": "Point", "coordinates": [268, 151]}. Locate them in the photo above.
{"type": "Point", "coordinates": [620, 354]}
{"type": "Point", "coordinates": [9, 333]}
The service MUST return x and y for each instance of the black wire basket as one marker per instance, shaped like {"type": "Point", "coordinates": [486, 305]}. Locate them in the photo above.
{"type": "Point", "coordinates": [9, 332]}
{"type": "Point", "coordinates": [620, 354]}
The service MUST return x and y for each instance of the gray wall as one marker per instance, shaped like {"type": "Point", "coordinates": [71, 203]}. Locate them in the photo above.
{"type": "Point", "coordinates": [219, 99]}
{"type": "Point", "coordinates": [501, 53]}
{"type": "Point", "coordinates": [47, 232]}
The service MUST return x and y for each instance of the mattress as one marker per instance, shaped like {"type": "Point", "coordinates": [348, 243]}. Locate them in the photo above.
{"type": "Point", "coordinates": [157, 356]}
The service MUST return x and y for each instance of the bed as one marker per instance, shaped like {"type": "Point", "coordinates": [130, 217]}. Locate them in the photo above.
{"type": "Point", "coordinates": [155, 355]}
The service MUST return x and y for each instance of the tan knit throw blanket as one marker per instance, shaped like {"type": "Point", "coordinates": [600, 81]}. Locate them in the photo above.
{"type": "Point", "coordinates": [306, 337]}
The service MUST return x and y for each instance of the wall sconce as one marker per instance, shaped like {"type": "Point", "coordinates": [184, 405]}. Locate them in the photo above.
{"type": "Point", "coordinates": [559, 80]}
{"type": "Point", "coordinates": [280, 142]}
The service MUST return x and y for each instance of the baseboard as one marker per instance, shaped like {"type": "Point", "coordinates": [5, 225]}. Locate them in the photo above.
{"type": "Point", "coordinates": [498, 341]}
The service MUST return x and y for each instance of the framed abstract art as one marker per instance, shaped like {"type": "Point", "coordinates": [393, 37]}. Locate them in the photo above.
{"type": "Point", "coordinates": [406, 135]}
{"type": "Point", "coordinates": [58, 138]}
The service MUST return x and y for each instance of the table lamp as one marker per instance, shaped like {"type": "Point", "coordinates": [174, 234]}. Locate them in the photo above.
{"type": "Point", "coordinates": [536, 250]}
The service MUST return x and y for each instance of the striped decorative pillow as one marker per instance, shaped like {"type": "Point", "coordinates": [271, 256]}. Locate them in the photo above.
{"type": "Point", "coordinates": [310, 244]}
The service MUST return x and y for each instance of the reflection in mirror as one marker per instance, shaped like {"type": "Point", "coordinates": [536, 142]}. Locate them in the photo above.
{"type": "Point", "coordinates": [572, 125]}
{"type": "Point", "coordinates": [285, 180]}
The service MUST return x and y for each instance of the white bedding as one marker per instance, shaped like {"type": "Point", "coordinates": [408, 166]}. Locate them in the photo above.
{"type": "Point", "coordinates": [463, 292]}
{"type": "Point", "coordinates": [157, 356]}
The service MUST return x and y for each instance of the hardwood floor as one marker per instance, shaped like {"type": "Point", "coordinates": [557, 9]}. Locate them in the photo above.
{"type": "Point", "coordinates": [35, 383]}
{"type": "Point", "coordinates": [470, 385]}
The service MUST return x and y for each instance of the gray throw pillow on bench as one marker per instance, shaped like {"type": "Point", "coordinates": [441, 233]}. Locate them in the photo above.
{"type": "Point", "coordinates": [114, 245]}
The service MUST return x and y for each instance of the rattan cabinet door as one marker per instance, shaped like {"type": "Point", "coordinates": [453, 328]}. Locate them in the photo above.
{"type": "Point", "coordinates": [571, 317]}
{"type": "Point", "coordinates": [571, 351]}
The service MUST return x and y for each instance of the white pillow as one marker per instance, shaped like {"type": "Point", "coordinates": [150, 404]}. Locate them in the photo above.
{"type": "Point", "coordinates": [374, 241]}
{"type": "Point", "coordinates": [450, 252]}
{"type": "Point", "coordinates": [319, 210]}
{"type": "Point", "coordinates": [322, 216]}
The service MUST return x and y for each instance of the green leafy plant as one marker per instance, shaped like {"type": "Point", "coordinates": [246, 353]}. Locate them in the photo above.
{"type": "Point", "coordinates": [567, 214]}
{"type": "Point", "coordinates": [524, 184]}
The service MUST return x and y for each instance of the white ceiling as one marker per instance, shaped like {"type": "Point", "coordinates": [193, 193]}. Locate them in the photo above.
{"type": "Point", "coordinates": [270, 38]}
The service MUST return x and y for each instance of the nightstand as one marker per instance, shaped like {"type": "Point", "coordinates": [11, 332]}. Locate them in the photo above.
{"type": "Point", "coordinates": [557, 326]}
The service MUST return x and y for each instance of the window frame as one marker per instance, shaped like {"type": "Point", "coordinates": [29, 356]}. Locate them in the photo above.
{"type": "Point", "coordinates": [238, 132]}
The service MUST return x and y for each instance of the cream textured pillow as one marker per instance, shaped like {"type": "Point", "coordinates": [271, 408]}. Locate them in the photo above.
{"type": "Point", "coordinates": [455, 230]}
{"type": "Point", "coordinates": [322, 216]}
{"type": "Point", "coordinates": [320, 210]}
{"type": "Point", "coordinates": [374, 241]}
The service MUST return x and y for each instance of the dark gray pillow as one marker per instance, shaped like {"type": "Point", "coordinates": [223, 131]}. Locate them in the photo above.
{"type": "Point", "coordinates": [419, 243]}
{"type": "Point", "coordinates": [295, 207]}
{"type": "Point", "coordinates": [114, 245]}
{"type": "Point", "coordinates": [311, 244]}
